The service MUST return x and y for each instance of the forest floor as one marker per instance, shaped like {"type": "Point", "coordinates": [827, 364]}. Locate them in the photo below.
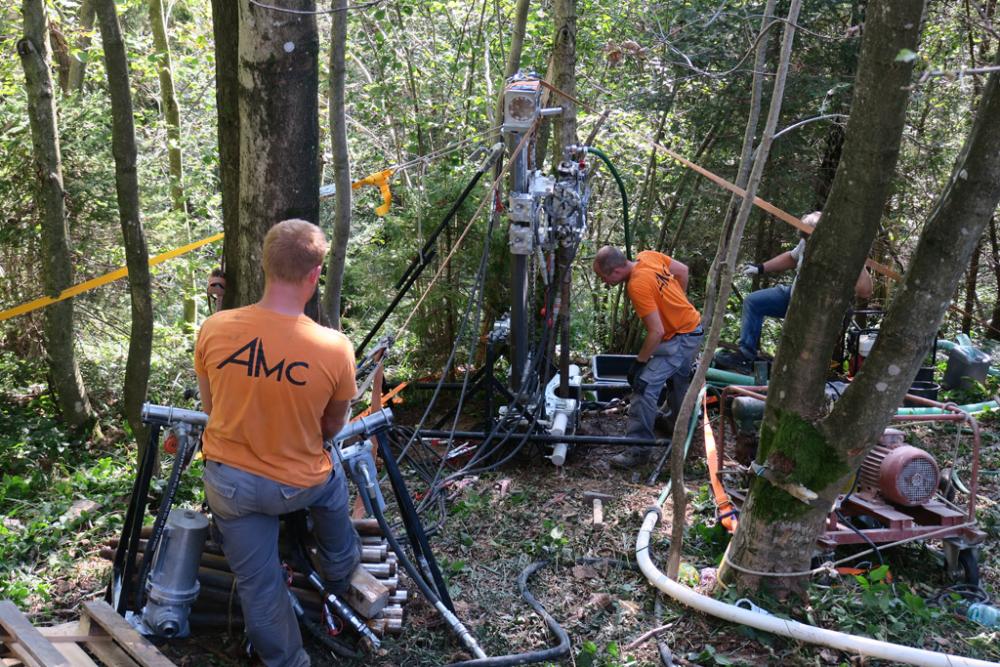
{"type": "Point", "coordinates": [499, 523]}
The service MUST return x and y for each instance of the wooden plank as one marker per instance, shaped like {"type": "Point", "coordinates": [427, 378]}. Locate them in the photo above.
{"type": "Point", "coordinates": [32, 644]}
{"type": "Point", "coordinates": [110, 654]}
{"type": "Point", "coordinates": [896, 520]}
{"type": "Point", "coordinates": [365, 593]}
{"type": "Point", "coordinates": [22, 660]}
{"type": "Point", "coordinates": [59, 634]}
{"type": "Point", "coordinates": [137, 646]}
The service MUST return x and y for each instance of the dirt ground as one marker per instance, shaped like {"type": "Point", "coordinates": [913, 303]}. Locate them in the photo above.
{"type": "Point", "coordinates": [530, 510]}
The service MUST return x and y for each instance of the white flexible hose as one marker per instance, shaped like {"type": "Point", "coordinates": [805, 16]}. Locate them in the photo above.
{"type": "Point", "coordinates": [871, 648]}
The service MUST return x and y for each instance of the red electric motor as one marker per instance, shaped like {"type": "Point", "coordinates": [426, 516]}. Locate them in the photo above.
{"type": "Point", "coordinates": [898, 472]}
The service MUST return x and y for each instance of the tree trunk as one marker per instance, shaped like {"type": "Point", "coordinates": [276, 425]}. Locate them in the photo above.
{"type": "Point", "coordinates": [970, 290]}
{"type": "Point", "coordinates": [423, 146]}
{"type": "Point", "coordinates": [994, 330]}
{"type": "Point", "coordinates": [279, 136]}
{"type": "Point", "coordinates": [127, 190]}
{"type": "Point", "coordinates": [64, 374]}
{"type": "Point", "coordinates": [77, 67]}
{"type": "Point", "coordinates": [341, 167]}
{"type": "Point", "coordinates": [776, 531]}
{"type": "Point", "coordinates": [564, 60]}
{"type": "Point", "coordinates": [564, 77]}
{"type": "Point", "coordinates": [746, 162]}
{"type": "Point", "coordinates": [723, 282]}
{"type": "Point", "coordinates": [172, 114]}
{"type": "Point", "coordinates": [513, 59]}
{"type": "Point", "coordinates": [225, 26]}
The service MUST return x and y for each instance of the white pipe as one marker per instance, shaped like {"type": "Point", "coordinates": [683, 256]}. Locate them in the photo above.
{"type": "Point", "coordinates": [871, 648]}
{"type": "Point", "coordinates": [559, 423]}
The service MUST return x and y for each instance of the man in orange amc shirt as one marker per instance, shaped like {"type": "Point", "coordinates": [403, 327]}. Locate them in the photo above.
{"type": "Point", "coordinates": [275, 384]}
{"type": "Point", "coordinates": [656, 286]}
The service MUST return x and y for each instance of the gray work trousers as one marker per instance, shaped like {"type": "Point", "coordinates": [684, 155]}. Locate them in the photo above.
{"type": "Point", "coordinates": [671, 360]}
{"type": "Point", "coordinates": [246, 509]}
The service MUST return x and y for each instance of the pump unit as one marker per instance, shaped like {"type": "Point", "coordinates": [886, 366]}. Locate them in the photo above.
{"type": "Point", "coordinates": [900, 473]}
{"type": "Point", "coordinates": [173, 586]}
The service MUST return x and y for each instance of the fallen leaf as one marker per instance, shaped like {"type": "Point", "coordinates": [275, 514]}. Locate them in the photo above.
{"type": "Point", "coordinates": [598, 601]}
{"type": "Point", "coordinates": [630, 608]}
{"type": "Point", "coordinates": [829, 657]}
{"type": "Point", "coordinates": [585, 572]}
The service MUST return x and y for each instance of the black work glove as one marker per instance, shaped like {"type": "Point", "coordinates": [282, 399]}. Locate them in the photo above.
{"type": "Point", "coordinates": [634, 371]}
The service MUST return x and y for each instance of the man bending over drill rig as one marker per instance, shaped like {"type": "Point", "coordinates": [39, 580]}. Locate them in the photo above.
{"type": "Point", "coordinates": [275, 384]}
{"type": "Point", "coordinates": [656, 286]}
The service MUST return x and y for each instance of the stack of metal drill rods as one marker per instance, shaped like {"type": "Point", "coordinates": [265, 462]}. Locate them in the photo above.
{"type": "Point", "coordinates": [218, 605]}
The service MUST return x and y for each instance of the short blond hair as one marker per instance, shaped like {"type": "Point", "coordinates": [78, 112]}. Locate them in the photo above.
{"type": "Point", "coordinates": [293, 248]}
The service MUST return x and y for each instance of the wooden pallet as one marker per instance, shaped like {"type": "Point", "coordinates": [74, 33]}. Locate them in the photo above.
{"type": "Point", "coordinates": [100, 637]}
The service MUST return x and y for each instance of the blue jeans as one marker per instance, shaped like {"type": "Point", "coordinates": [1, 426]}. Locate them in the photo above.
{"type": "Point", "coordinates": [770, 302]}
{"type": "Point", "coordinates": [671, 359]}
{"type": "Point", "coordinates": [246, 508]}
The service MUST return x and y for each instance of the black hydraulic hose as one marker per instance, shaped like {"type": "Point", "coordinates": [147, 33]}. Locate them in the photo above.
{"type": "Point", "coordinates": [476, 298]}
{"type": "Point", "coordinates": [547, 437]}
{"type": "Point", "coordinates": [425, 589]}
{"type": "Point", "coordinates": [184, 442]}
{"type": "Point", "coordinates": [555, 652]}
{"type": "Point", "coordinates": [423, 259]}
{"type": "Point", "coordinates": [621, 189]}
{"type": "Point", "coordinates": [846, 521]}
{"type": "Point", "coordinates": [485, 450]}
{"type": "Point", "coordinates": [121, 570]}
{"type": "Point", "coordinates": [324, 638]}
{"type": "Point", "coordinates": [549, 654]}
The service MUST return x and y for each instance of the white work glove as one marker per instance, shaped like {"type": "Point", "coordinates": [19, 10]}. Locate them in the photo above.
{"type": "Point", "coordinates": [751, 270]}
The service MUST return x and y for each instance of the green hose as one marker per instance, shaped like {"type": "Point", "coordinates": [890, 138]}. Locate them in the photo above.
{"type": "Point", "coordinates": [621, 189]}
{"type": "Point", "coordinates": [722, 378]}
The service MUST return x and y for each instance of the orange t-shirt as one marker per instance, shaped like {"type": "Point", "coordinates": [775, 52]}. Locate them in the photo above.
{"type": "Point", "coordinates": [271, 377]}
{"type": "Point", "coordinates": [652, 288]}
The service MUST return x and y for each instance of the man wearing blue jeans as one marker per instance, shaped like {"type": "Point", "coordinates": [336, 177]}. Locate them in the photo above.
{"type": "Point", "coordinates": [656, 285]}
{"type": "Point", "coordinates": [276, 384]}
{"type": "Point", "coordinates": [773, 301]}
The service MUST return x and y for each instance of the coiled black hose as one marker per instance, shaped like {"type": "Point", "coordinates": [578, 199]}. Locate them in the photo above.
{"type": "Point", "coordinates": [553, 653]}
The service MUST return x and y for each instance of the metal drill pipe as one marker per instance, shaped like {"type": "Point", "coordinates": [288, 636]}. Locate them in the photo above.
{"type": "Point", "coordinates": [607, 440]}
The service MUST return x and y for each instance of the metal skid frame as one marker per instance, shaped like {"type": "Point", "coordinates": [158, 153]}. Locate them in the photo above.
{"type": "Point", "coordinates": [125, 589]}
{"type": "Point", "coordinates": [938, 519]}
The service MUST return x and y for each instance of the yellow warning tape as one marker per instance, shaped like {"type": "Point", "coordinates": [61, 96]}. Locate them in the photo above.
{"type": "Point", "coordinates": [379, 179]}
{"type": "Point", "coordinates": [88, 285]}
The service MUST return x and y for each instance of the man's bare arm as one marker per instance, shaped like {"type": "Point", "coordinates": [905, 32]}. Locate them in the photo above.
{"type": "Point", "coordinates": [334, 417]}
{"type": "Point", "coordinates": [782, 262]}
{"type": "Point", "coordinates": [680, 272]}
{"type": "Point", "coordinates": [654, 336]}
{"type": "Point", "coordinates": [863, 288]}
{"type": "Point", "coordinates": [205, 392]}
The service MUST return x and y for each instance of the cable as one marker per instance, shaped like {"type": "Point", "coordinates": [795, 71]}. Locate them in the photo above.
{"type": "Point", "coordinates": [843, 519]}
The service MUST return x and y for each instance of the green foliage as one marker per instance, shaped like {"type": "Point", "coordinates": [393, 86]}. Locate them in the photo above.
{"type": "Point", "coordinates": [610, 656]}
{"type": "Point", "coordinates": [551, 541]}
